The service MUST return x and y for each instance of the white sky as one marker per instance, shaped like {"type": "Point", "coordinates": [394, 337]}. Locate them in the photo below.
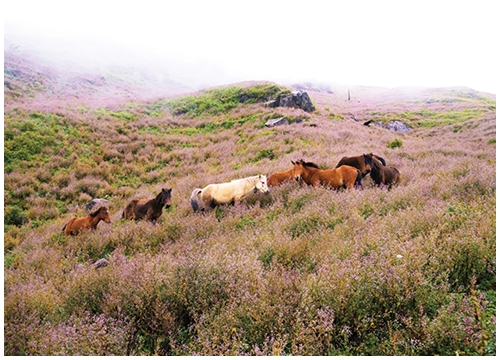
{"type": "Point", "coordinates": [374, 43]}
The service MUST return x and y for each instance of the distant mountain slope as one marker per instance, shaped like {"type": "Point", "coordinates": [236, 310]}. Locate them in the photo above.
{"type": "Point", "coordinates": [31, 80]}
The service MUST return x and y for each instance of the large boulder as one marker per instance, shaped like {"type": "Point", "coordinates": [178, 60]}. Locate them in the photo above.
{"type": "Point", "coordinates": [277, 122]}
{"type": "Point", "coordinates": [396, 126]}
{"type": "Point", "coordinates": [297, 99]}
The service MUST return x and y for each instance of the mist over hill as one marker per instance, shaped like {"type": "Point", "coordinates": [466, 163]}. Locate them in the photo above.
{"type": "Point", "coordinates": [28, 78]}
{"type": "Point", "coordinates": [300, 271]}
{"type": "Point", "coordinates": [31, 78]}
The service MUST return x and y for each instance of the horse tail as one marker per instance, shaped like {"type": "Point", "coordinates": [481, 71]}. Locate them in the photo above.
{"type": "Point", "coordinates": [195, 199]}
{"type": "Point", "coordinates": [357, 183]}
{"type": "Point", "coordinates": [64, 227]}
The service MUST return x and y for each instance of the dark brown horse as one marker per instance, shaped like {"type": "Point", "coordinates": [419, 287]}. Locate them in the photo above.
{"type": "Point", "coordinates": [148, 209]}
{"type": "Point", "coordinates": [362, 162]}
{"type": "Point", "coordinates": [77, 225]}
{"type": "Point", "coordinates": [279, 178]}
{"type": "Point", "coordinates": [346, 177]}
{"type": "Point", "coordinates": [387, 175]}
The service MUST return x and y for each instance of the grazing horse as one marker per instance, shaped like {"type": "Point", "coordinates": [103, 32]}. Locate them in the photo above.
{"type": "Point", "coordinates": [387, 175]}
{"type": "Point", "coordinates": [281, 177]}
{"type": "Point", "coordinates": [342, 177]}
{"type": "Point", "coordinates": [148, 209]}
{"type": "Point", "coordinates": [75, 225]}
{"type": "Point", "coordinates": [227, 193]}
{"type": "Point", "coordinates": [362, 162]}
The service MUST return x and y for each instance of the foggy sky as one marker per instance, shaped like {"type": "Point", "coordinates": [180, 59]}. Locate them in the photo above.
{"type": "Point", "coordinates": [204, 43]}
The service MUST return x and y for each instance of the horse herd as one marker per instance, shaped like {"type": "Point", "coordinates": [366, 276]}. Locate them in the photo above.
{"type": "Point", "coordinates": [347, 175]}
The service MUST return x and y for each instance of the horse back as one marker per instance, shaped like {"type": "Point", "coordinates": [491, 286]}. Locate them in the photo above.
{"type": "Point", "coordinates": [395, 175]}
{"type": "Point", "coordinates": [74, 226]}
{"type": "Point", "coordinates": [141, 209]}
{"type": "Point", "coordinates": [357, 162]}
{"type": "Point", "coordinates": [350, 175]}
{"type": "Point", "coordinates": [279, 178]}
{"type": "Point", "coordinates": [68, 226]}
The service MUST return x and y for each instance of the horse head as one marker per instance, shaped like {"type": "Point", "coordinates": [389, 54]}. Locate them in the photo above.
{"type": "Point", "coordinates": [298, 169]}
{"type": "Point", "coordinates": [102, 214]}
{"type": "Point", "coordinates": [368, 162]}
{"type": "Point", "coordinates": [261, 185]}
{"type": "Point", "coordinates": [164, 197]}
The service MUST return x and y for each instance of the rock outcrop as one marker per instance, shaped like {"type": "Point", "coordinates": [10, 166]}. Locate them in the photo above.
{"type": "Point", "coordinates": [396, 126]}
{"type": "Point", "coordinates": [297, 99]}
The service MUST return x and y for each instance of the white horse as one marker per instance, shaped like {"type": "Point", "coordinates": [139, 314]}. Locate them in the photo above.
{"type": "Point", "coordinates": [225, 193]}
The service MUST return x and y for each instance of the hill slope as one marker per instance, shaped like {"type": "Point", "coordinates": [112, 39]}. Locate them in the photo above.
{"type": "Point", "coordinates": [302, 270]}
{"type": "Point", "coordinates": [42, 84]}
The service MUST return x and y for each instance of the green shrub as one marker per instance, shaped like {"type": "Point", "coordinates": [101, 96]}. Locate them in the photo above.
{"type": "Point", "coordinates": [14, 215]}
{"type": "Point", "coordinates": [263, 154]}
{"type": "Point", "coordinates": [396, 143]}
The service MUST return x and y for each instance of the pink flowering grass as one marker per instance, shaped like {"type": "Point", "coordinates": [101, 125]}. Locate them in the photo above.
{"type": "Point", "coordinates": [301, 271]}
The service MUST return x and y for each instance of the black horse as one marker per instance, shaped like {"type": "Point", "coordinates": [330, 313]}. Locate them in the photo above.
{"type": "Point", "coordinates": [362, 162]}
{"type": "Point", "coordinates": [148, 209]}
{"type": "Point", "coordinates": [386, 175]}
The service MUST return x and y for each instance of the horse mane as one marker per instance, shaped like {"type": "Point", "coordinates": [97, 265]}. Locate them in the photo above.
{"type": "Point", "coordinates": [94, 214]}
{"type": "Point", "coordinates": [309, 164]}
{"type": "Point", "coordinates": [377, 163]}
{"type": "Point", "coordinates": [380, 158]}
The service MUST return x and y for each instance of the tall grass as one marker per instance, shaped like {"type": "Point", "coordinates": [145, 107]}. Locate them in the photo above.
{"type": "Point", "coordinates": [301, 271]}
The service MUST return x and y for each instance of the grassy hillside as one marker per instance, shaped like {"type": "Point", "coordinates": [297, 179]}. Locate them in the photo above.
{"type": "Point", "coordinates": [301, 271]}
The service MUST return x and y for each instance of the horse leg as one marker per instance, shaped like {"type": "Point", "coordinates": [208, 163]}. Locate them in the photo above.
{"type": "Point", "coordinates": [357, 182]}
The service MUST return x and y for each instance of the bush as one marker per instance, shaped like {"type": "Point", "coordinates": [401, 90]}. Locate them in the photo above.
{"type": "Point", "coordinates": [396, 143]}
{"type": "Point", "coordinates": [14, 215]}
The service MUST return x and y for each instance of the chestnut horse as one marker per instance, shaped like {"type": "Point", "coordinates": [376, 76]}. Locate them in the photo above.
{"type": "Point", "coordinates": [281, 177]}
{"type": "Point", "coordinates": [227, 193]}
{"type": "Point", "coordinates": [362, 162]}
{"type": "Point", "coordinates": [148, 209]}
{"type": "Point", "coordinates": [76, 225]}
{"type": "Point", "coordinates": [343, 177]}
{"type": "Point", "coordinates": [387, 175]}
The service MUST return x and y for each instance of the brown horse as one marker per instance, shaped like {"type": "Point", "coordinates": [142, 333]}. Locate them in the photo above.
{"type": "Point", "coordinates": [148, 209]}
{"type": "Point", "coordinates": [361, 162]}
{"type": "Point", "coordinates": [342, 177]}
{"type": "Point", "coordinates": [279, 178]}
{"type": "Point", "coordinates": [387, 175]}
{"type": "Point", "coordinates": [77, 225]}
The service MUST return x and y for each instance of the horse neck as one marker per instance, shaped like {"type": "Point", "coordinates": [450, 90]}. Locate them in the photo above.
{"type": "Point", "coordinates": [250, 183]}
{"type": "Point", "coordinates": [94, 220]}
{"type": "Point", "coordinates": [377, 166]}
{"type": "Point", "coordinates": [307, 172]}
{"type": "Point", "coordinates": [157, 203]}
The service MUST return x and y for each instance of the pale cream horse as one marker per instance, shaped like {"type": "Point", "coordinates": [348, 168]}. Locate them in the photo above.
{"type": "Point", "coordinates": [226, 193]}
